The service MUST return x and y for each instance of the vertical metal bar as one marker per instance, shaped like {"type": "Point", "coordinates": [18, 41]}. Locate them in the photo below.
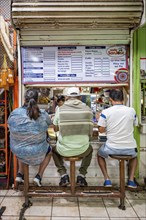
{"type": "Point", "coordinates": [131, 69]}
{"type": "Point", "coordinates": [122, 183]}
{"type": "Point", "coordinates": [136, 91]}
{"type": "Point", "coordinates": [26, 183]}
{"type": "Point", "coordinates": [19, 69]}
{"type": "Point", "coordinates": [72, 176]}
{"type": "Point", "coordinates": [16, 97]}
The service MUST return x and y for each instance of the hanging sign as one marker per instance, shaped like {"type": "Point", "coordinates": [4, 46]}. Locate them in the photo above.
{"type": "Point", "coordinates": [74, 64]}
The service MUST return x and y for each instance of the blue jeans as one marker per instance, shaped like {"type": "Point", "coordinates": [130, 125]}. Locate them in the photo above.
{"type": "Point", "coordinates": [104, 151]}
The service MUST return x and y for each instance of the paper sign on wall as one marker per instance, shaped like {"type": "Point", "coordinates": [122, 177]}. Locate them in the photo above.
{"type": "Point", "coordinates": [143, 68]}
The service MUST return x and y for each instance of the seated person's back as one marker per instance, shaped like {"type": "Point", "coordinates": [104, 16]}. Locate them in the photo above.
{"type": "Point", "coordinates": [74, 122]}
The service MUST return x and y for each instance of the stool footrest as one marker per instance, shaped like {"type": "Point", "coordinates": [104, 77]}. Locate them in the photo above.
{"type": "Point", "coordinates": [73, 190]}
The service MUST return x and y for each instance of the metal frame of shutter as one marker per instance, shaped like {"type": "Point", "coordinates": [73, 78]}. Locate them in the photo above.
{"type": "Point", "coordinates": [72, 22]}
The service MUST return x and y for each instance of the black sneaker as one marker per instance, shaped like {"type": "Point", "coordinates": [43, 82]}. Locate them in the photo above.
{"type": "Point", "coordinates": [37, 180]}
{"type": "Point", "coordinates": [19, 178]}
{"type": "Point", "coordinates": [64, 181]}
{"type": "Point", "coordinates": [81, 181]}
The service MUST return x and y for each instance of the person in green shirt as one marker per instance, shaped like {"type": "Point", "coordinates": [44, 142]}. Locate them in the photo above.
{"type": "Point", "coordinates": [74, 123]}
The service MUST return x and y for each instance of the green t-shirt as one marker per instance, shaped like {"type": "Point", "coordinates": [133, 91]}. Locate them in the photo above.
{"type": "Point", "coordinates": [72, 145]}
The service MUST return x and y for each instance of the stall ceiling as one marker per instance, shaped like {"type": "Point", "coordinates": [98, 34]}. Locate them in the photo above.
{"type": "Point", "coordinates": [75, 22]}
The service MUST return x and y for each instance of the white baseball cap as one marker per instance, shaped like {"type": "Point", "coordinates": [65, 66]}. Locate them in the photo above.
{"type": "Point", "coordinates": [73, 91]}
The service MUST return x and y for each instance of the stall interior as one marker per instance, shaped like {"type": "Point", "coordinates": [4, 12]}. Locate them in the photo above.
{"type": "Point", "coordinates": [97, 98]}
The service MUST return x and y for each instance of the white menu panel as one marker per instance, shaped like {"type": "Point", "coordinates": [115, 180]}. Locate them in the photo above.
{"type": "Point", "coordinates": [79, 64]}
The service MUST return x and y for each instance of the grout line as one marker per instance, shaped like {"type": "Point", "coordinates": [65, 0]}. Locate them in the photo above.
{"type": "Point", "coordinates": [105, 208]}
{"type": "Point", "coordinates": [133, 208]}
{"type": "Point", "coordinates": [51, 209]}
{"type": "Point", "coordinates": [79, 207]}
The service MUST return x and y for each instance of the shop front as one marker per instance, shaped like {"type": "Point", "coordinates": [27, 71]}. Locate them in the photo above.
{"type": "Point", "coordinates": [85, 44]}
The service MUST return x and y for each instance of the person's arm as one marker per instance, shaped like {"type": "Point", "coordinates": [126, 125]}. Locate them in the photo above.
{"type": "Point", "coordinates": [56, 121]}
{"type": "Point", "coordinates": [102, 123]}
{"type": "Point", "coordinates": [56, 128]}
{"type": "Point", "coordinates": [48, 118]}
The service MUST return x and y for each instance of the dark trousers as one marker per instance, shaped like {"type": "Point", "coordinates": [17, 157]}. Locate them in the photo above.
{"type": "Point", "coordinates": [86, 160]}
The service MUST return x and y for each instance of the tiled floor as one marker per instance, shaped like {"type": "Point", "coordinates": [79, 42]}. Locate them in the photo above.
{"type": "Point", "coordinates": [73, 208]}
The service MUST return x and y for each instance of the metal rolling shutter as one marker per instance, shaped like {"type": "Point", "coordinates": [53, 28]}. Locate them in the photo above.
{"type": "Point", "coordinates": [72, 22]}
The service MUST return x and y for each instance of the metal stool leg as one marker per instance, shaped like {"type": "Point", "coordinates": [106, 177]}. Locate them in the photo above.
{"type": "Point", "coordinates": [26, 183]}
{"type": "Point", "coordinates": [122, 184]}
{"type": "Point", "coordinates": [27, 203]}
{"type": "Point", "coordinates": [72, 176]}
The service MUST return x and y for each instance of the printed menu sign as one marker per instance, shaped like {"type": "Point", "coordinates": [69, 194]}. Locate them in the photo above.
{"type": "Point", "coordinates": [79, 64]}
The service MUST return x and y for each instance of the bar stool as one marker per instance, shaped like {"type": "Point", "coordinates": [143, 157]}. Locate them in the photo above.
{"type": "Point", "coordinates": [122, 159]}
{"type": "Point", "coordinates": [72, 161]}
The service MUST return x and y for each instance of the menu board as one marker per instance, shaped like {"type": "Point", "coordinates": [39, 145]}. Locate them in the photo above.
{"type": "Point", "coordinates": [74, 64]}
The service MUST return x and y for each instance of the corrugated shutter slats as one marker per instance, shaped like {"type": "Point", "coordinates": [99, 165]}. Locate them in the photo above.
{"type": "Point", "coordinates": [77, 22]}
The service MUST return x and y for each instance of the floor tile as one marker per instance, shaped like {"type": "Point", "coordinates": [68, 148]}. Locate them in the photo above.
{"type": "Point", "coordinates": [41, 211]}
{"type": "Point", "coordinates": [13, 205]}
{"type": "Point", "coordinates": [140, 207]}
{"type": "Point", "coordinates": [40, 207]}
{"type": "Point", "coordinates": [12, 192]}
{"type": "Point", "coordinates": [38, 218]}
{"type": "Point", "coordinates": [82, 208]}
{"type": "Point", "coordinates": [65, 207]}
{"type": "Point", "coordinates": [1, 199]}
{"type": "Point", "coordinates": [10, 217]}
{"type": "Point", "coordinates": [66, 200]}
{"type": "Point", "coordinates": [3, 192]}
{"type": "Point", "coordinates": [89, 199]}
{"type": "Point", "coordinates": [115, 212]}
{"type": "Point", "coordinates": [115, 202]}
{"type": "Point", "coordinates": [65, 218]}
{"type": "Point", "coordinates": [41, 201]}
{"type": "Point", "coordinates": [65, 211]}
{"type": "Point", "coordinates": [93, 218]}
{"type": "Point", "coordinates": [135, 195]}
{"type": "Point", "coordinates": [92, 208]}
{"type": "Point", "coordinates": [125, 218]}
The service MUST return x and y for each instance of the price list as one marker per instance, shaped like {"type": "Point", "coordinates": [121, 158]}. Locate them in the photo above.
{"type": "Point", "coordinates": [72, 63]}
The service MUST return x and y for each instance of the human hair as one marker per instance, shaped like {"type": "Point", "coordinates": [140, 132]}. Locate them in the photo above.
{"type": "Point", "coordinates": [116, 95]}
{"type": "Point", "coordinates": [31, 98]}
{"type": "Point", "coordinates": [60, 98]}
